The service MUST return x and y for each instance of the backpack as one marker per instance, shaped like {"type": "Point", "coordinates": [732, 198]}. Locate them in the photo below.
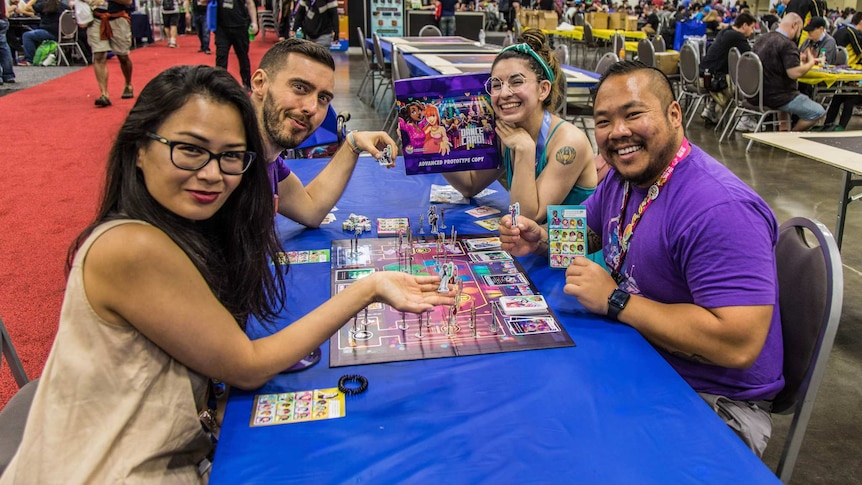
{"type": "Point", "coordinates": [45, 49]}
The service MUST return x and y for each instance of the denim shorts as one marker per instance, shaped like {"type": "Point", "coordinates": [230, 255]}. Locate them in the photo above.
{"type": "Point", "coordinates": [804, 107]}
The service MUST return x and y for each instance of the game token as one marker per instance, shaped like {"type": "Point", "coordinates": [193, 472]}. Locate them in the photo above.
{"type": "Point", "coordinates": [515, 211]}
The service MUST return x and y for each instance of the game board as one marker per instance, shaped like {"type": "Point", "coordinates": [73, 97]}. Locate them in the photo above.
{"type": "Point", "coordinates": [381, 334]}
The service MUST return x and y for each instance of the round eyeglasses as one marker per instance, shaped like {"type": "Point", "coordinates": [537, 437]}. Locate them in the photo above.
{"type": "Point", "coordinates": [187, 156]}
{"type": "Point", "coordinates": [515, 83]}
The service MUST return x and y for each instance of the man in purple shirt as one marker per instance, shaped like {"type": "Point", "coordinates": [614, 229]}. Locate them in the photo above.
{"type": "Point", "coordinates": [291, 92]}
{"type": "Point", "coordinates": [690, 248]}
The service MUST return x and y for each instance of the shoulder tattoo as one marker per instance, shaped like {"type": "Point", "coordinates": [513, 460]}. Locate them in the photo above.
{"type": "Point", "coordinates": [566, 155]}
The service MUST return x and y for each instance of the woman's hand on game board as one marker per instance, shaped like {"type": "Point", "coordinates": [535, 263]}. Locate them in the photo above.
{"type": "Point", "coordinates": [522, 240]}
{"type": "Point", "coordinates": [374, 142]}
{"type": "Point", "coordinates": [408, 293]}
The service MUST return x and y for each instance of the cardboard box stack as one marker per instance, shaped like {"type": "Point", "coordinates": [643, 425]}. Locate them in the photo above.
{"type": "Point", "coordinates": [667, 62]}
{"type": "Point", "coordinates": [547, 20]}
{"type": "Point", "coordinates": [599, 20]}
{"type": "Point", "coordinates": [632, 24]}
{"type": "Point", "coordinates": [617, 21]}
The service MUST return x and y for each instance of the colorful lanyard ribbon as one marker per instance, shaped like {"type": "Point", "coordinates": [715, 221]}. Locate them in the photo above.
{"type": "Point", "coordinates": [543, 134]}
{"type": "Point", "coordinates": [624, 236]}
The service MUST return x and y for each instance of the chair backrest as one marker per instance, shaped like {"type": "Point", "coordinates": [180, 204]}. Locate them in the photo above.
{"type": "Point", "coordinates": [379, 60]}
{"type": "Point", "coordinates": [618, 43]}
{"type": "Point", "coordinates": [400, 68]}
{"type": "Point", "coordinates": [608, 59]}
{"type": "Point", "coordinates": [562, 53]}
{"type": "Point", "coordinates": [578, 19]}
{"type": "Point", "coordinates": [430, 31]}
{"type": "Point", "coordinates": [7, 351]}
{"type": "Point", "coordinates": [508, 39]}
{"type": "Point", "coordinates": [841, 56]}
{"type": "Point", "coordinates": [366, 56]}
{"type": "Point", "coordinates": [689, 66]}
{"type": "Point", "coordinates": [749, 78]}
{"type": "Point", "coordinates": [811, 294]}
{"type": "Point", "coordinates": [68, 27]}
{"type": "Point", "coordinates": [658, 44]}
{"type": "Point", "coordinates": [588, 33]}
{"type": "Point", "coordinates": [646, 52]}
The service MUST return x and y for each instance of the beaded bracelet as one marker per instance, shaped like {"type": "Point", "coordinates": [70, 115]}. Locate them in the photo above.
{"type": "Point", "coordinates": [353, 380]}
{"type": "Point", "coordinates": [351, 143]}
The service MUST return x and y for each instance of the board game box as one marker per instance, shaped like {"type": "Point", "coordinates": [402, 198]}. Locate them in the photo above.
{"type": "Point", "coordinates": [475, 325]}
{"type": "Point", "coordinates": [446, 124]}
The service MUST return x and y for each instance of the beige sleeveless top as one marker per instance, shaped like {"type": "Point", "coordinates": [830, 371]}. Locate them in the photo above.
{"type": "Point", "coordinates": [111, 406]}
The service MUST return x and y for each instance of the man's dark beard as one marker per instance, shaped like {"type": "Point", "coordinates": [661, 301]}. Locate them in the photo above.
{"type": "Point", "coordinates": [656, 166]}
{"type": "Point", "coordinates": [273, 125]}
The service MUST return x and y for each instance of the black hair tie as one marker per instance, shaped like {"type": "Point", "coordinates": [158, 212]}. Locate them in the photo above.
{"type": "Point", "coordinates": [352, 384]}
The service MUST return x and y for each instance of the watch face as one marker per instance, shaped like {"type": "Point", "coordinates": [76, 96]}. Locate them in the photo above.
{"type": "Point", "coordinates": [619, 298]}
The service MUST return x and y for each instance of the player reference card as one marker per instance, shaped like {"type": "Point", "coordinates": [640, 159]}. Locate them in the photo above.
{"type": "Point", "coordinates": [567, 234]}
{"type": "Point", "coordinates": [296, 407]}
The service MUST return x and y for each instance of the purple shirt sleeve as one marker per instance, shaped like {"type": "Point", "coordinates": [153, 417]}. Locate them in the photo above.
{"type": "Point", "coordinates": [278, 171]}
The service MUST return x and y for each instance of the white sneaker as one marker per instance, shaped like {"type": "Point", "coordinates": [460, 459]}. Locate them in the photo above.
{"type": "Point", "coordinates": [746, 125]}
{"type": "Point", "coordinates": [709, 113]}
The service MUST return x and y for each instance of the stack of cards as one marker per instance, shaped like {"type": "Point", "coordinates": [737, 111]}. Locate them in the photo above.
{"type": "Point", "coordinates": [523, 305]}
{"type": "Point", "coordinates": [567, 233]}
{"type": "Point", "coordinates": [483, 243]}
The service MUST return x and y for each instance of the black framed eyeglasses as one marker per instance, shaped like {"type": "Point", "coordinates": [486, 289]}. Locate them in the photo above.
{"type": "Point", "coordinates": [187, 156]}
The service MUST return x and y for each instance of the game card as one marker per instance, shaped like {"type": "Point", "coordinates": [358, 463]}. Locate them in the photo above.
{"type": "Point", "coordinates": [296, 407]}
{"type": "Point", "coordinates": [567, 234]}
{"type": "Point", "coordinates": [360, 257]}
{"type": "Point", "coordinates": [490, 256]}
{"type": "Point", "coordinates": [483, 243]}
{"type": "Point", "coordinates": [352, 274]}
{"type": "Point", "coordinates": [532, 325]}
{"type": "Point", "coordinates": [492, 224]}
{"type": "Point", "coordinates": [523, 305]}
{"type": "Point", "coordinates": [328, 219]}
{"type": "Point", "coordinates": [504, 279]}
{"type": "Point", "coordinates": [482, 211]}
{"type": "Point", "coordinates": [391, 225]}
{"type": "Point", "coordinates": [302, 257]}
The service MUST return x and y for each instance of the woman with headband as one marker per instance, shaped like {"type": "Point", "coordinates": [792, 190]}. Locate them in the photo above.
{"type": "Point", "coordinates": [546, 161]}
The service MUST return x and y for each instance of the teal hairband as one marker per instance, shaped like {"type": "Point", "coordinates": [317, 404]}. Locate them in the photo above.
{"type": "Point", "coordinates": [526, 49]}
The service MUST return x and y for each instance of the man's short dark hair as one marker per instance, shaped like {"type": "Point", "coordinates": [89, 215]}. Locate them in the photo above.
{"type": "Point", "coordinates": [744, 18]}
{"type": "Point", "coordinates": [857, 17]}
{"type": "Point", "coordinates": [276, 57]}
{"type": "Point", "coordinates": [628, 67]}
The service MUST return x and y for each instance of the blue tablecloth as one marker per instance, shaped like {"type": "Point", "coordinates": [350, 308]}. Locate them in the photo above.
{"type": "Point", "coordinates": [609, 410]}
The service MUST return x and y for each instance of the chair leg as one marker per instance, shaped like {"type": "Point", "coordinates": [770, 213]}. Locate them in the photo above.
{"type": "Point", "coordinates": [721, 118]}
{"type": "Point", "coordinates": [729, 126]}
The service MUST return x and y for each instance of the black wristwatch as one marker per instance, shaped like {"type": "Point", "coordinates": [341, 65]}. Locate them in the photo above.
{"type": "Point", "coordinates": [616, 302]}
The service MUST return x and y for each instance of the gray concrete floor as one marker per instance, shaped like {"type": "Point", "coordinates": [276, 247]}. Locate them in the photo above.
{"type": "Point", "coordinates": [792, 186]}
{"type": "Point", "coordinates": [28, 76]}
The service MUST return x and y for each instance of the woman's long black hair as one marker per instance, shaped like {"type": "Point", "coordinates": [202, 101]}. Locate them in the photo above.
{"type": "Point", "coordinates": [234, 249]}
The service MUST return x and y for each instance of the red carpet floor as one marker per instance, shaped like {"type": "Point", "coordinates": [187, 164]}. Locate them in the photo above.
{"type": "Point", "coordinates": [52, 162]}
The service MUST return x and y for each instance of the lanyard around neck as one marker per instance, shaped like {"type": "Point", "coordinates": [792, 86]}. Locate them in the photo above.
{"type": "Point", "coordinates": [543, 135]}
{"type": "Point", "coordinates": [625, 235]}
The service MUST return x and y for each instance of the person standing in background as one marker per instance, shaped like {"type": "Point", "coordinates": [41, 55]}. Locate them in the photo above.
{"type": "Point", "coordinates": [447, 16]}
{"type": "Point", "coordinates": [8, 75]}
{"type": "Point", "coordinates": [170, 19]}
{"type": "Point", "coordinates": [111, 30]}
{"type": "Point", "coordinates": [318, 20]}
{"type": "Point", "coordinates": [285, 24]}
{"type": "Point", "coordinates": [236, 20]}
{"type": "Point", "coordinates": [196, 16]}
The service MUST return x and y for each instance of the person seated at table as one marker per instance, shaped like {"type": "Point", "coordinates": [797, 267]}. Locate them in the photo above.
{"type": "Point", "coordinates": [783, 64]}
{"type": "Point", "coordinates": [715, 61]}
{"type": "Point", "coordinates": [819, 41]}
{"type": "Point", "coordinates": [651, 21]}
{"type": "Point", "coordinates": [49, 26]}
{"type": "Point", "coordinates": [545, 161]}
{"type": "Point", "coordinates": [662, 216]}
{"type": "Point", "coordinates": [291, 92]}
{"type": "Point", "coordinates": [159, 290]}
{"type": "Point", "coordinates": [850, 38]}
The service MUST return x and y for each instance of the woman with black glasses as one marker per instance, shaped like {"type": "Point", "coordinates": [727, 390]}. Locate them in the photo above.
{"type": "Point", "coordinates": [159, 290]}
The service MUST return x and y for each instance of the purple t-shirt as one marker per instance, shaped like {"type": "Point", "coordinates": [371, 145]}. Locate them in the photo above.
{"type": "Point", "coordinates": [708, 239]}
{"type": "Point", "coordinates": [278, 171]}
